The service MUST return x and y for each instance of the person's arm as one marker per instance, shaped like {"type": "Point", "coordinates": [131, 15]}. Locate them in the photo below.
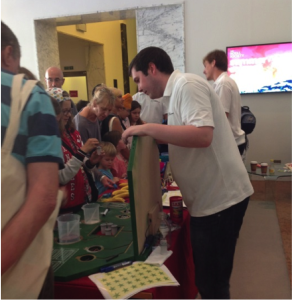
{"type": "Point", "coordinates": [40, 202]}
{"type": "Point", "coordinates": [106, 182]}
{"type": "Point", "coordinates": [225, 96]}
{"type": "Point", "coordinates": [184, 136]}
{"type": "Point", "coordinates": [73, 165]}
{"type": "Point", "coordinates": [81, 128]}
{"type": "Point", "coordinates": [71, 168]}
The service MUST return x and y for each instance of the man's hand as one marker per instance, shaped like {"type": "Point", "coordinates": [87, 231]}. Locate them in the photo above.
{"type": "Point", "coordinates": [90, 145]}
{"type": "Point", "coordinates": [107, 182]}
{"type": "Point", "coordinates": [134, 130]}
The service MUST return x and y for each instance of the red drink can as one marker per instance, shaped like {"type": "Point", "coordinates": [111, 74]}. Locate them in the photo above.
{"type": "Point", "coordinates": [176, 209]}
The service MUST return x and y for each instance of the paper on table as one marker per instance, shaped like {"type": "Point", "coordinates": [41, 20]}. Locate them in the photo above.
{"type": "Point", "coordinates": [165, 197]}
{"type": "Point", "coordinates": [125, 282]}
{"type": "Point", "coordinates": [156, 258]}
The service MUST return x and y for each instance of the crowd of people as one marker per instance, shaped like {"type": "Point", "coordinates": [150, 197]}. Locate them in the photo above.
{"type": "Point", "coordinates": [85, 149]}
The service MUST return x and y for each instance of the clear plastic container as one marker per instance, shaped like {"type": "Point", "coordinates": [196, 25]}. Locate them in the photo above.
{"type": "Point", "coordinates": [108, 231]}
{"type": "Point", "coordinates": [164, 225]}
{"type": "Point", "coordinates": [114, 229]}
{"type": "Point", "coordinates": [271, 167]}
{"type": "Point", "coordinates": [91, 213]}
{"type": "Point", "coordinates": [69, 228]}
{"type": "Point", "coordinates": [102, 228]}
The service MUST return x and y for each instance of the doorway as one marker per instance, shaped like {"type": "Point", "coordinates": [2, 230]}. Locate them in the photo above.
{"type": "Point", "coordinates": [76, 85]}
{"type": "Point", "coordinates": [154, 27]}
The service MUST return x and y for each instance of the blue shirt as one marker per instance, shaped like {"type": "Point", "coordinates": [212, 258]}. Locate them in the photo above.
{"type": "Point", "coordinates": [98, 183]}
{"type": "Point", "coordinates": [38, 138]}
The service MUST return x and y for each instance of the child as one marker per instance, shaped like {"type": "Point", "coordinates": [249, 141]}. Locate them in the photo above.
{"type": "Point", "coordinates": [106, 164]}
{"type": "Point", "coordinates": [134, 119]}
{"type": "Point", "coordinates": [134, 116]}
{"type": "Point", "coordinates": [120, 164]}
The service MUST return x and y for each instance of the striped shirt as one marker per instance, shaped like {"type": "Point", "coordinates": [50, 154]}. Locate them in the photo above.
{"type": "Point", "coordinates": [38, 138]}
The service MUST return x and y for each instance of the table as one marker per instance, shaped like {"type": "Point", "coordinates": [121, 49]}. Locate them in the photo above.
{"type": "Point", "coordinates": [270, 179]}
{"type": "Point", "coordinates": [180, 264]}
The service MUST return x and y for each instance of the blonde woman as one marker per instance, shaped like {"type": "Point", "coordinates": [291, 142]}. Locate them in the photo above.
{"type": "Point", "coordinates": [88, 119]}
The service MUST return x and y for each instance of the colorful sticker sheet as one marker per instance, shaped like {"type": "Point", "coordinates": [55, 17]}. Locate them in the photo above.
{"type": "Point", "coordinates": [125, 282]}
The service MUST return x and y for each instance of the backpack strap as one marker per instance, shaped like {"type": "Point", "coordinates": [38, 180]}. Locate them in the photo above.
{"type": "Point", "coordinates": [19, 97]}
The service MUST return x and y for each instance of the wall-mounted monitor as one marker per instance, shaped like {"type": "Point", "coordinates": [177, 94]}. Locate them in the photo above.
{"type": "Point", "coordinates": [264, 68]}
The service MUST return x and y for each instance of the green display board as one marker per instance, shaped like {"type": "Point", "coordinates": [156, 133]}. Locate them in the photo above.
{"type": "Point", "coordinates": [94, 250]}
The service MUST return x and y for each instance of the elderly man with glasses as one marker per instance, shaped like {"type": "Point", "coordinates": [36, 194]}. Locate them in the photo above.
{"type": "Point", "coordinates": [54, 78]}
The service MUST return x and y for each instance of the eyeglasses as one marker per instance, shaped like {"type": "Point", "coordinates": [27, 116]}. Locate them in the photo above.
{"type": "Point", "coordinates": [57, 80]}
{"type": "Point", "coordinates": [67, 111]}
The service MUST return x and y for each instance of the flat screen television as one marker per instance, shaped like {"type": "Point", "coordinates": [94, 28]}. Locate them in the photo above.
{"type": "Point", "coordinates": [264, 68]}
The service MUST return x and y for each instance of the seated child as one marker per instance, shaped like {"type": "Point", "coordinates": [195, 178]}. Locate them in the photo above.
{"type": "Point", "coordinates": [120, 164]}
{"type": "Point", "coordinates": [106, 164]}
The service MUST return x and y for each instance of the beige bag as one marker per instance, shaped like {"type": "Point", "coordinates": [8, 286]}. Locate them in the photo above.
{"type": "Point", "coordinates": [110, 126]}
{"type": "Point", "coordinates": [26, 277]}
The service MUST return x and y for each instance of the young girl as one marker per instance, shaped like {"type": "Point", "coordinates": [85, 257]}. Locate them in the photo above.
{"type": "Point", "coordinates": [134, 116]}
{"type": "Point", "coordinates": [120, 164]}
{"type": "Point", "coordinates": [106, 164]}
{"type": "Point", "coordinates": [72, 175]}
{"type": "Point", "coordinates": [134, 119]}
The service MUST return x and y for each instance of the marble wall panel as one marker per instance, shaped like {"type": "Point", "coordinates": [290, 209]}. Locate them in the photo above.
{"type": "Point", "coordinates": [163, 26]}
{"type": "Point", "coordinates": [94, 66]}
{"type": "Point", "coordinates": [47, 47]}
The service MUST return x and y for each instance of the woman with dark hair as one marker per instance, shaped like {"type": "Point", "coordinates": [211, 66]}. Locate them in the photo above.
{"type": "Point", "coordinates": [134, 116]}
{"type": "Point", "coordinates": [73, 176]}
{"type": "Point", "coordinates": [134, 119]}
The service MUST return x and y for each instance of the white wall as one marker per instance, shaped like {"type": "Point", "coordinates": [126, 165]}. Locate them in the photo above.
{"type": "Point", "coordinates": [209, 24]}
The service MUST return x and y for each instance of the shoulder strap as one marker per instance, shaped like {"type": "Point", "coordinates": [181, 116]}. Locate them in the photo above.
{"type": "Point", "coordinates": [77, 120]}
{"type": "Point", "coordinates": [19, 97]}
{"type": "Point", "coordinates": [68, 148]}
{"type": "Point", "coordinates": [110, 125]}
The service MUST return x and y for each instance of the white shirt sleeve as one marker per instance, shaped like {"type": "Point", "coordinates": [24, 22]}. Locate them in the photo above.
{"type": "Point", "coordinates": [71, 169]}
{"type": "Point", "coordinates": [195, 105]}
{"type": "Point", "coordinates": [225, 96]}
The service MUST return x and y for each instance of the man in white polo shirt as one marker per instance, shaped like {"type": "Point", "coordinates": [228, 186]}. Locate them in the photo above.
{"type": "Point", "coordinates": [205, 164]}
{"type": "Point", "coordinates": [152, 110]}
{"type": "Point", "coordinates": [215, 64]}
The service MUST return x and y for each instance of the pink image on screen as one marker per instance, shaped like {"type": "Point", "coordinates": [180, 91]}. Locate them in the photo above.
{"type": "Point", "coordinates": [261, 68]}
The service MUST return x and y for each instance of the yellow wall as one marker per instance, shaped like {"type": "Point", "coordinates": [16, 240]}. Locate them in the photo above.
{"type": "Point", "coordinates": [77, 83]}
{"type": "Point", "coordinates": [108, 34]}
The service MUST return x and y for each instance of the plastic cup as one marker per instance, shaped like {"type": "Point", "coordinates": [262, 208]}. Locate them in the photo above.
{"type": "Point", "coordinates": [102, 228]}
{"type": "Point", "coordinates": [91, 213]}
{"type": "Point", "coordinates": [264, 168]}
{"type": "Point", "coordinates": [109, 225]}
{"type": "Point", "coordinates": [69, 228]}
{"type": "Point", "coordinates": [253, 165]}
{"type": "Point", "coordinates": [114, 229]}
{"type": "Point", "coordinates": [108, 231]}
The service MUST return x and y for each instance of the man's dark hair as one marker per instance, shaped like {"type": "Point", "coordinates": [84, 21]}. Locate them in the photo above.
{"type": "Point", "coordinates": [153, 55]}
{"type": "Point", "coordinates": [220, 59]}
{"type": "Point", "coordinates": [8, 38]}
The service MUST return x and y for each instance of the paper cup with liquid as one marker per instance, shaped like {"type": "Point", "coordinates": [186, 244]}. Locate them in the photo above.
{"type": "Point", "coordinates": [69, 228]}
{"type": "Point", "coordinates": [91, 213]}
